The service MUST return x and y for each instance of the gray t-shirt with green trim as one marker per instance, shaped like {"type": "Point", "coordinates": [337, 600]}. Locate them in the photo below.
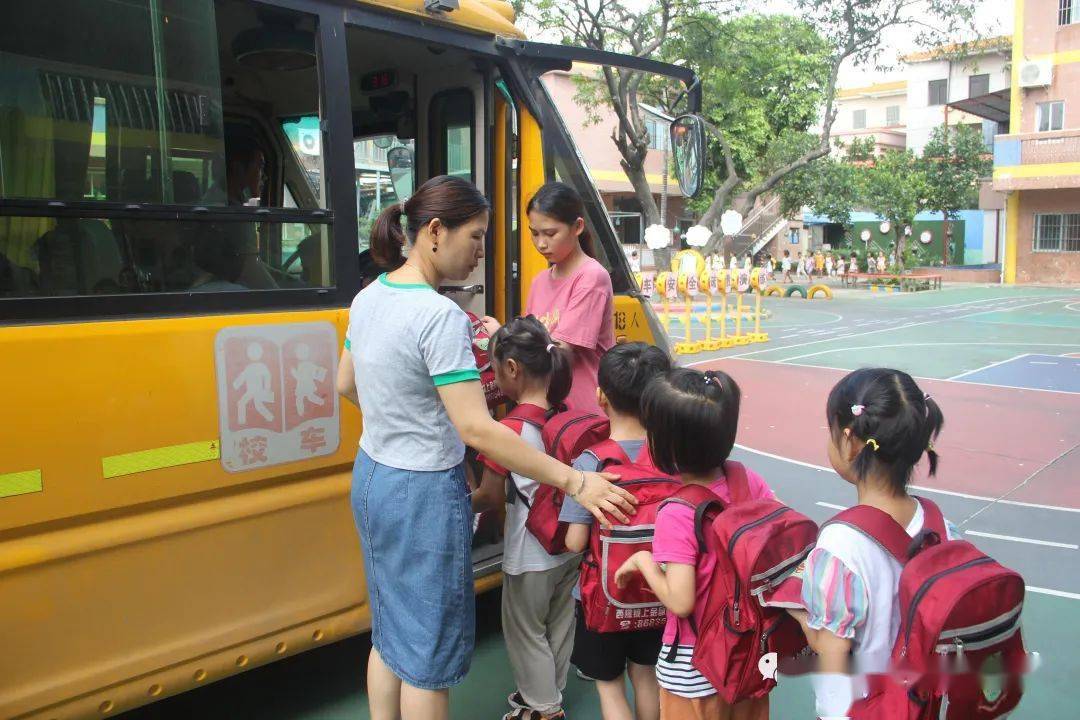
{"type": "Point", "coordinates": [405, 341]}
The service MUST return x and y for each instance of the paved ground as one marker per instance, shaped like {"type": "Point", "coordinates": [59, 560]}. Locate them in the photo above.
{"type": "Point", "coordinates": [1004, 364]}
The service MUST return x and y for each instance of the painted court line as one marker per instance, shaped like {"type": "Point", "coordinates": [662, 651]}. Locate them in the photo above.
{"type": "Point", "coordinates": [919, 488]}
{"type": "Point", "coordinates": [987, 367]}
{"type": "Point", "coordinates": [831, 506]}
{"type": "Point", "coordinates": [1011, 538]}
{"type": "Point", "coordinates": [890, 329]}
{"type": "Point", "coordinates": [1055, 593]}
{"type": "Point", "coordinates": [917, 377]}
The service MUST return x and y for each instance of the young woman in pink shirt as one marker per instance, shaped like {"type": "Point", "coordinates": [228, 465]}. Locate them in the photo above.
{"type": "Point", "coordinates": [572, 298]}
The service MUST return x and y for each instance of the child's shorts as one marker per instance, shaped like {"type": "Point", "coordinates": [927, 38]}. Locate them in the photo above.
{"type": "Point", "coordinates": [603, 656]}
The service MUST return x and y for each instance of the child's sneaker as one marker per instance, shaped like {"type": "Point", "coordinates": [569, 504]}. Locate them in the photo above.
{"type": "Point", "coordinates": [517, 702]}
{"type": "Point", "coordinates": [530, 714]}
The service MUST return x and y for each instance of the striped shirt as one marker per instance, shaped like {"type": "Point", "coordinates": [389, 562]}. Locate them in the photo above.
{"type": "Point", "coordinates": [678, 676]}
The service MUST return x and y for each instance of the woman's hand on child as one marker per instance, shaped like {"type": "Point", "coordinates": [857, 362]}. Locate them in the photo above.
{"type": "Point", "coordinates": [630, 568]}
{"type": "Point", "coordinates": [490, 324]}
{"type": "Point", "coordinates": [599, 496]}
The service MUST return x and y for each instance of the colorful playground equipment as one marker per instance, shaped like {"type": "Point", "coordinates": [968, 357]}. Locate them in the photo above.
{"type": "Point", "coordinates": [689, 279]}
{"type": "Point", "coordinates": [792, 290]}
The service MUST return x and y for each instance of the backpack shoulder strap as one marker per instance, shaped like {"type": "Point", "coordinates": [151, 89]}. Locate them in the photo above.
{"type": "Point", "coordinates": [609, 452]}
{"type": "Point", "coordinates": [933, 519]}
{"type": "Point", "coordinates": [691, 496]}
{"type": "Point", "coordinates": [701, 500]}
{"type": "Point", "coordinates": [737, 481]}
{"type": "Point", "coordinates": [530, 414]}
{"type": "Point", "coordinates": [877, 525]}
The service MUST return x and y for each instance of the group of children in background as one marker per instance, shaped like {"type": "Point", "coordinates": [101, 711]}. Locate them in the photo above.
{"type": "Point", "coordinates": [684, 422]}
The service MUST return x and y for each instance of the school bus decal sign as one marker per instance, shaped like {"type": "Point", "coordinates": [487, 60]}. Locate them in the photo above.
{"type": "Point", "coordinates": [276, 397]}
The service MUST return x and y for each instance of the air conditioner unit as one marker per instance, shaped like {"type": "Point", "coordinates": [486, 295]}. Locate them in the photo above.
{"type": "Point", "coordinates": [1036, 73]}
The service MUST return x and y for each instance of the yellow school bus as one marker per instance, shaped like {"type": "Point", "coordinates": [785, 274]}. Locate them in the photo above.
{"type": "Point", "coordinates": [186, 191]}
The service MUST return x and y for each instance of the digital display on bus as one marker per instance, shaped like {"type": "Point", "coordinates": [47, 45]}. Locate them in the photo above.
{"type": "Point", "coordinates": [379, 80]}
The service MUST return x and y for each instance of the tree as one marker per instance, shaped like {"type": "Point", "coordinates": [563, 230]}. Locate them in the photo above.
{"type": "Point", "coordinates": [954, 161]}
{"type": "Point", "coordinates": [614, 25]}
{"type": "Point", "coordinates": [895, 187]}
{"type": "Point", "coordinates": [853, 31]}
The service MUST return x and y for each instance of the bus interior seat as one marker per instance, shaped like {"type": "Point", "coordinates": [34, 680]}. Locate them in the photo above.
{"type": "Point", "coordinates": [186, 190]}
{"type": "Point", "coordinates": [79, 257]}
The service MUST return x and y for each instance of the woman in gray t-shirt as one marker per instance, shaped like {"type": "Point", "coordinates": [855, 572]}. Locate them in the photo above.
{"type": "Point", "coordinates": [408, 365]}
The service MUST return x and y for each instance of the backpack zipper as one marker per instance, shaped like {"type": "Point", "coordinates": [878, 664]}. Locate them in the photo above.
{"type": "Point", "coordinates": [999, 631]}
{"type": "Point", "coordinates": [564, 428]}
{"type": "Point", "coordinates": [769, 631]}
{"type": "Point", "coordinates": [731, 547]}
{"type": "Point", "coordinates": [926, 587]}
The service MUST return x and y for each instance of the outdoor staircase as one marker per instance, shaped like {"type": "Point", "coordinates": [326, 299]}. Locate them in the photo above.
{"type": "Point", "coordinates": [760, 227]}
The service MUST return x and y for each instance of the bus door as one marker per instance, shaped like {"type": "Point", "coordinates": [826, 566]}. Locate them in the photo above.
{"type": "Point", "coordinates": [543, 134]}
{"type": "Point", "coordinates": [419, 109]}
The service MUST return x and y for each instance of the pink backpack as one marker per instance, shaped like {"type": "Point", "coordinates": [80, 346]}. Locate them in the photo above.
{"type": "Point", "coordinates": [758, 544]}
{"type": "Point", "coordinates": [607, 607]}
{"type": "Point", "coordinates": [959, 645]}
{"type": "Point", "coordinates": [566, 436]}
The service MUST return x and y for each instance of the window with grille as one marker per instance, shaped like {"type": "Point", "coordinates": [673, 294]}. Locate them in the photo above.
{"type": "Point", "coordinates": [978, 85]}
{"type": "Point", "coordinates": [1055, 232]}
{"type": "Point", "coordinates": [858, 122]}
{"type": "Point", "coordinates": [1050, 116]}
{"type": "Point", "coordinates": [1065, 12]}
{"type": "Point", "coordinates": [939, 92]}
{"type": "Point", "coordinates": [892, 115]}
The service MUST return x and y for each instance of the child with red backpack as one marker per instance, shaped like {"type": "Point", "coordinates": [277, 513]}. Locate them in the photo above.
{"type": "Point", "coordinates": [884, 593]}
{"type": "Point", "coordinates": [691, 419]}
{"type": "Point", "coordinates": [537, 609]}
{"type": "Point", "coordinates": [606, 657]}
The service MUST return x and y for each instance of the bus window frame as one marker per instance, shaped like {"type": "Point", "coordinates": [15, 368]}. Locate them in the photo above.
{"type": "Point", "coordinates": [439, 158]}
{"type": "Point", "coordinates": [332, 79]}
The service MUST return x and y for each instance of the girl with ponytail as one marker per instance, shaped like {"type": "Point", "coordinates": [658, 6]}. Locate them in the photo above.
{"type": "Point", "coordinates": [408, 365]}
{"type": "Point", "coordinates": [880, 426]}
{"type": "Point", "coordinates": [573, 298]}
{"type": "Point", "coordinates": [537, 606]}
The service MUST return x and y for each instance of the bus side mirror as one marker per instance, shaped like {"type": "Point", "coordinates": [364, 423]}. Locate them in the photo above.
{"type": "Point", "coordinates": [688, 144]}
{"type": "Point", "coordinates": [399, 160]}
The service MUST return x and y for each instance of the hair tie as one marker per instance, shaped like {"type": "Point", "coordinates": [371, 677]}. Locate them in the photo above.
{"type": "Point", "coordinates": [401, 207]}
{"type": "Point", "coordinates": [552, 347]}
{"type": "Point", "coordinates": [873, 443]}
{"type": "Point", "coordinates": [857, 410]}
{"type": "Point", "coordinates": [930, 446]}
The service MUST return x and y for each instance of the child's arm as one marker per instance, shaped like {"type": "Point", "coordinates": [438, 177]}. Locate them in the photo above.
{"type": "Point", "coordinates": [674, 585]}
{"type": "Point", "coordinates": [577, 537]}
{"type": "Point", "coordinates": [833, 652]}
{"type": "Point", "coordinates": [491, 493]}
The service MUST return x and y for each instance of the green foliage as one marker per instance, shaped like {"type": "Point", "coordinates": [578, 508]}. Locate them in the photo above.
{"type": "Point", "coordinates": [764, 79]}
{"type": "Point", "coordinates": [954, 161]}
{"type": "Point", "coordinates": [895, 186]}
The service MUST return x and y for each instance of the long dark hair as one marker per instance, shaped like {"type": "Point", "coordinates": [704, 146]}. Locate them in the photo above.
{"type": "Point", "coordinates": [888, 411]}
{"type": "Point", "coordinates": [450, 199]}
{"type": "Point", "coordinates": [691, 419]}
{"type": "Point", "coordinates": [526, 340]}
{"type": "Point", "coordinates": [562, 202]}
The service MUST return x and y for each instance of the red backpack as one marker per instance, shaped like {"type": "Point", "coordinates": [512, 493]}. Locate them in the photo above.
{"type": "Point", "coordinates": [757, 544]}
{"type": "Point", "coordinates": [959, 644]}
{"type": "Point", "coordinates": [609, 608]}
{"type": "Point", "coordinates": [566, 436]}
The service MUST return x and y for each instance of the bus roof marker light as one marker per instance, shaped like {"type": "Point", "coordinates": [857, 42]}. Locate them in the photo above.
{"type": "Point", "coordinates": [437, 6]}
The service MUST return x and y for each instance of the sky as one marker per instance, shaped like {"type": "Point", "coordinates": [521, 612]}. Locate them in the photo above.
{"type": "Point", "coordinates": [994, 17]}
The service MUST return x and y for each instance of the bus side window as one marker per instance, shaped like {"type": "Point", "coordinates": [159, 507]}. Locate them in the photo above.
{"type": "Point", "coordinates": [169, 123]}
{"type": "Point", "coordinates": [452, 131]}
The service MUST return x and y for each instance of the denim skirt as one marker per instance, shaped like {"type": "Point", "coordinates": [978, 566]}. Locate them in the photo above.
{"type": "Point", "coordinates": [416, 536]}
